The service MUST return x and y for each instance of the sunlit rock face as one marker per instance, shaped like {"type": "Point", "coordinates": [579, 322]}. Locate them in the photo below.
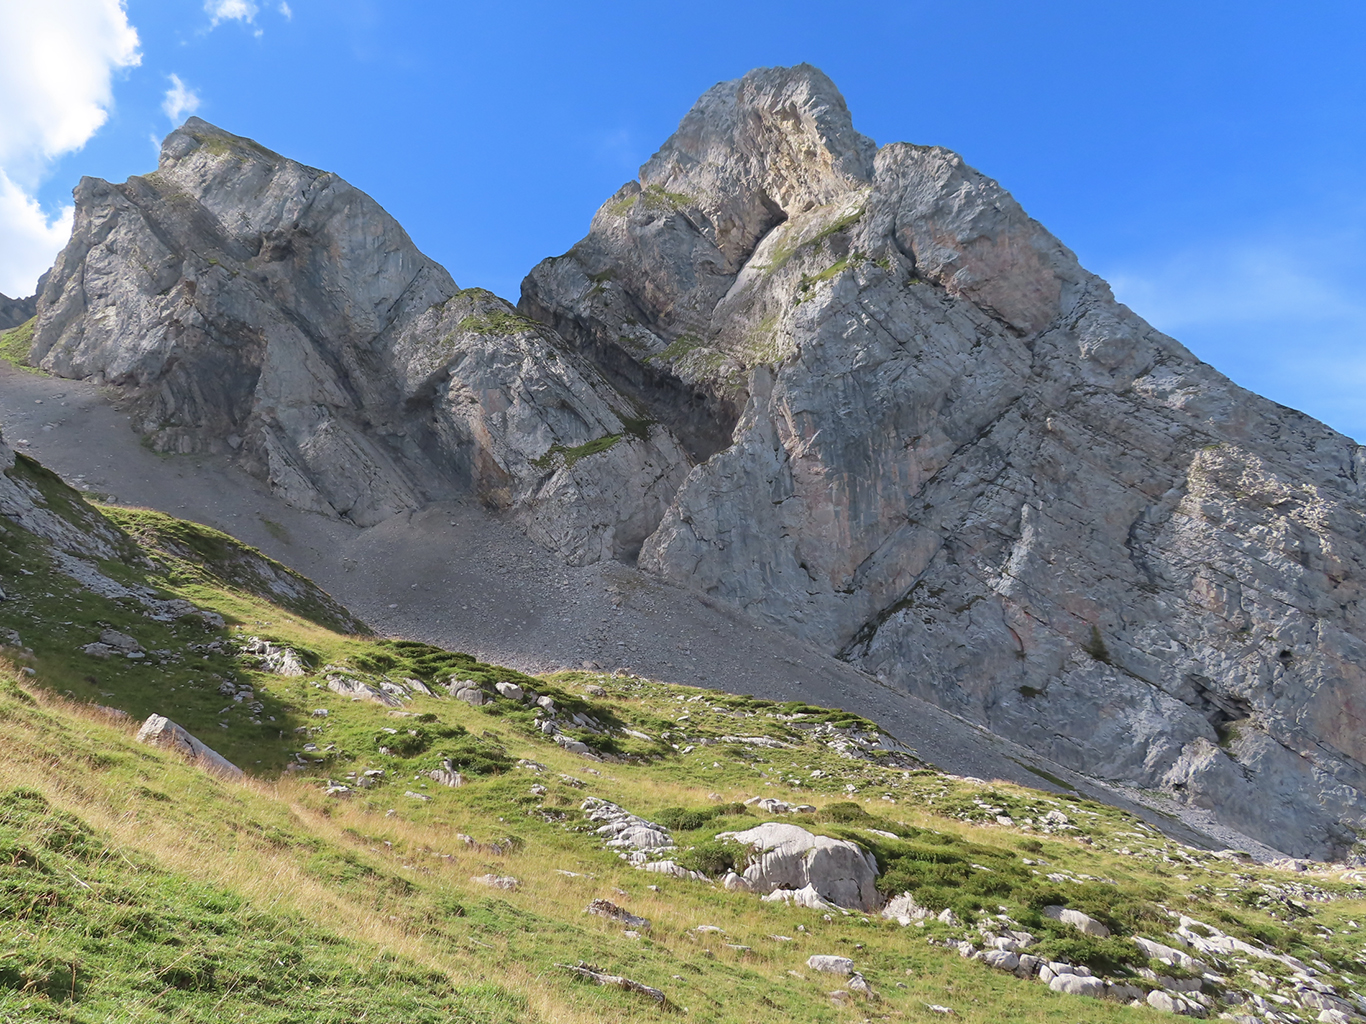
{"type": "Point", "coordinates": [927, 439]}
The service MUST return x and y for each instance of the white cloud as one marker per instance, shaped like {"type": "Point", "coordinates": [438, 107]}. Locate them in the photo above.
{"type": "Point", "coordinates": [180, 100]}
{"type": "Point", "coordinates": [29, 241]}
{"type": "Point", "coordinates": [57, 62]}
{"type": "Point", "coordinates": [230, 10]}
{"type": "Point", "coordinates": [1246, 283]}
{"type": "Point", "coordinates": [287, 11]}
{"type": "Point", "coordinates": [57, 59]}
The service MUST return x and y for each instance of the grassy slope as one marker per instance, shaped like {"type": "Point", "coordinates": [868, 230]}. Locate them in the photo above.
{"type": "Point", "coordinates": [134, 887]}
{"type": "Point", "coordinates": [15, 344]}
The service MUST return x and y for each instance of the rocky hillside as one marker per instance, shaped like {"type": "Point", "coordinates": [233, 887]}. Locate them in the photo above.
{"type": "Point", "coordinates": [220, 801]}
{"type": "Point", "coordinates": [853, 390]}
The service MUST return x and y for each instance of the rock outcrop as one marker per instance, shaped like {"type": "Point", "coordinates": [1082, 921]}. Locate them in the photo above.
{"type": "Point", "coordinates": [160, 731]}
{"type": "Point", "coordinates": [788, 857]}
{"type": "Point", "coordinates": [250, 305]}
{"type": "Point", "coordinates": [14, 312]}
{"type": "Point", "coordinates": [929, 440]}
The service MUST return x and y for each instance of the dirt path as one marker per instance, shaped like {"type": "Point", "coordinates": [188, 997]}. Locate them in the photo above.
{"type": "Point", "coordinates": [454, 575]}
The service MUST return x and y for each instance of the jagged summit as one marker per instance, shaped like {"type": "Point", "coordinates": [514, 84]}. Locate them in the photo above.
{"type": "Point", "coordinates": [854, 391]}
{"type": "Point", "coordinates": [14, 312]}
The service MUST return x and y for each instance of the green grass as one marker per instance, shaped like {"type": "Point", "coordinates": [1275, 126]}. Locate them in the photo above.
{"type": "Point", "coordinates": [98, 933]}
{"type": "Point", "coordinates": [497, 321]}
{"type": "Point", "coordinates": [678, 348]}
{"type": "Point", "coordinates": [16, 344]}
{"type": "Point", "coordinates": [570, 456]}
{"type": "Point", "coordinates": [135, 887]}
{"type": "Point", "coordinates": [191, 554]}
{"type": "Point", "coordinates": [785, 250]}
{"type": "Point", "coordinates": [654, 198]}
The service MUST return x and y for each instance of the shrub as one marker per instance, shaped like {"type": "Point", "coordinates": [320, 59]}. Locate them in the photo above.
{"type": "Point", "coordinates": [846, 813]}
{"type": "Point", "coordinates": [1104, 955]}
{"type": "Point", "coordinates": [716, 856]}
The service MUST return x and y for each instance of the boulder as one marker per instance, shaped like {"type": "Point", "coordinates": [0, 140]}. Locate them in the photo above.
{"type": "Point", "coordinates": [1083, 923]}
{"type": "Point", "coordinates": [509, 690]}
{"type": "Point", "coordinates": [119, 641]}
{"type": "Point", "coordinates": [576, 746]}
{"type": "Point", "coordinates": [858, 983]}
{"type": "Point", "coordinates": [355, 689]}
{"type": "Point", "coordinates": [275, 658]}
{"type": "Point", "coordinates": [668, 867]}
{"type": "Point", "coordinates": [790, 857]}
{"type": "Point", "coordinates": [1122, 993]}
{"type": "Point", "coordinates": [1076, 985]}
{"type": "Point", "coordinates": [609, 910]}
{"type": "Point", "coordinates": [446, 775]}
{"type": "Point", "coordinates": [497, 881]}
{"type": "Point", "coordinates": [1166, 1002]}
{"type": "Point", "coordinates": [904, 909]}
{"type": "Point", "coordinates": [1001, 959]}
{"type": "Point", "coordinates": [162, 732]}
{"type": "Point", "coordinates": [472, 695]}
{"type": "Point", "coordinates": [1169, 954]}
{"type": "Point", "coordinates": [830, 964]}
{"type": "Point", "coordinates": [805, 897]}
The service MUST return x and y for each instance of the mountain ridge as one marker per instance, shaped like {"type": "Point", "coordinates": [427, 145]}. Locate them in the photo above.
{"type": "Point", "coordinates": [854, 391]}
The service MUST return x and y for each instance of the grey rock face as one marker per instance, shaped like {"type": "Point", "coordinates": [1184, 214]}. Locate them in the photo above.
{"type": "Point", "coordinates": [14, 312]}
{"type": "Point", "coordinates": [928, 439]}
{"type": "Point", "coordinates": [250, 304]}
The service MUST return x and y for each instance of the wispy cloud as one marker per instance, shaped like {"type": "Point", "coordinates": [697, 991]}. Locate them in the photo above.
{"type": "Point", "coordinates": [220, 11]}
{"type": "Point", "coordinates": [1283, 315]}
{"type": "Point", "coordinates": [180, 100]}
{"type": "Point", "coordinates": [287, 11]}
{"type": "Point", "coordinates": [57, 62]}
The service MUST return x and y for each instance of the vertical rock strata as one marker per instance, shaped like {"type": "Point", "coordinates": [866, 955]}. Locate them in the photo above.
{"type": "Point", "coordinates": [929, 440]}
{"type": "Point", "coordinates": [249, 304]}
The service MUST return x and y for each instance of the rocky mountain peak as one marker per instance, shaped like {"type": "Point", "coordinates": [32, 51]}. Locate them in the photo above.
{"type": "Point", "coordinates": [756, 150]}
{"type": "Point", "coordinates": [857, 393]}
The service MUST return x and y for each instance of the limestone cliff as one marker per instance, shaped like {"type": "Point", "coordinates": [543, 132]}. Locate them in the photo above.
{"type": "Point", "coordinates": [249, 304]}
{"type": "Point", "coordinates": [930, 440]}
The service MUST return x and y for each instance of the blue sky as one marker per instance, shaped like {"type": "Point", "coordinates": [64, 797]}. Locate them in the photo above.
{"type": "Point", "coordinates": [1208, 159]}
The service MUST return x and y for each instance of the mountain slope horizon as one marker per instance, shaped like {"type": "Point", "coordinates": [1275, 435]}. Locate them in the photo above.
{"type": "Point", "coordinates": [853, 391]}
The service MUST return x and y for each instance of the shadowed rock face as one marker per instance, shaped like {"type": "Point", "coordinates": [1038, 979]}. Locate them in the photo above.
{"type": "Point", "coordinates": [930, 440]}
{"type": "Point", "coordinates": [247, 303]}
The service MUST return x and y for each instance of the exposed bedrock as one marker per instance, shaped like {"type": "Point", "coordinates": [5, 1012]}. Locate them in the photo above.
{"type": "Point", "coordinates": [952, 456]}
